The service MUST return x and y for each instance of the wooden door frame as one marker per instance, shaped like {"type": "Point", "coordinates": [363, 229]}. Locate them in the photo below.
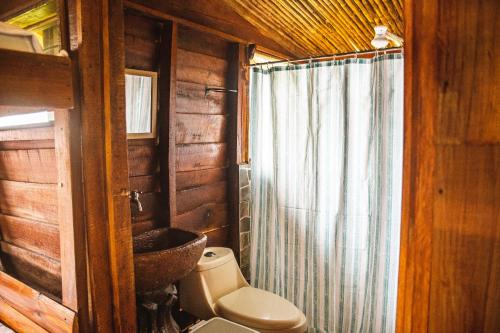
{"type": "Point", "coordinates": [420, 101]}
{"type": "Point", "coordinates": [96, 30]}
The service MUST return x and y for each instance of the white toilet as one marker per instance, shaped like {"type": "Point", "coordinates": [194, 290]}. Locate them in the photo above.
{"type": "Point", "coordinates": [216, 287]}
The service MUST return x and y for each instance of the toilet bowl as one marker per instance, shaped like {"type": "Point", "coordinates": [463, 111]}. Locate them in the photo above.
{"type": "Point", "coordinates": [216, 287]}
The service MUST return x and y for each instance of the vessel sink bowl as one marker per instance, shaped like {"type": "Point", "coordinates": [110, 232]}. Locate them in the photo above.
{"type": "Point", "coordinates": [164, 256]}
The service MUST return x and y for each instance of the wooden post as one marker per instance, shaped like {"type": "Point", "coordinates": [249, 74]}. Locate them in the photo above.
{"type": "Point", "coordinates": [97, 42]}
{"type": "Point", "coordinates": [167, 94]}
{"type": "Point", "coordinates": [70, 214]}
{"type": "Point", "coordinates": [236, 102]}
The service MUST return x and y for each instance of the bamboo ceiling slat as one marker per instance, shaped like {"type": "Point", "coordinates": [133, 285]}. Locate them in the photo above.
{"type": "Point", "coordinates": [319, 27]}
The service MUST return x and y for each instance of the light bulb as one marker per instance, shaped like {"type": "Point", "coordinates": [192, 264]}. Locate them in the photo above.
{"type": "Point", "coordinates": [380, 41]}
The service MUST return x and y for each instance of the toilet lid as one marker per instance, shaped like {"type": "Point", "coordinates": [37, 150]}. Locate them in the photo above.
{"type": "Point", "coordinates": [258, 309]}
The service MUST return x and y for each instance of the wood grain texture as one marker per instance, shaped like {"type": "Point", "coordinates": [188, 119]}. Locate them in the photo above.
{"type": "Point", "coordinates": [194, 128]}
{"type": "Point", "coordinates": [148, 183]}
{"type": "Point", "coordinates": [29, 200]}
{"type": "Point", "coordinates": [27, 134]}
{"type": "Point", "coordinates": [195, 197]}
{"type": "Point", "coordinates": [33, 165]}
{"type": "Point", "coordinates": [203, 218]}
{"type": "Point", "coordinates": [35, 80]}
{"type": "Point", "coordinates": [191, 98]}
{"type": "Point", "coordinates": [201, 156]}
{"type": "Point", "coordinates": [190, 39]}
{"type": "Point", "coordinates": [469, 94]}
{"type": "Point", "coordinates": [143, 159]}
{"type": "Point", "coordinates": [16, 320]}
{"type": "Point", "coordinates": [32, 235]}
{"type": "Point", "coordinates": [212, 18]}
{"type": "Point", "coordinates": [38, 308]}
{"type": "Point", "coordinates": [168, 86]}
{"type": "Point", "coordinates": [141, 42]}
{"type": "Point", "coordinates": [100, 53]}
{"type": "Point", "coordinates": [449, 269]}
{"type": "Point", "coordinates": [236, 105]}
{"type": "Point", "coordinates": [420, 102]}
{"type": "Point", "coordinates": [70, 214]}
{"type": "Point", "coordinates": [200, 68]}
{"type": "Point", "coordinates": [189, 179]}
{"type": "Point", "coordinates": [34, 269]}
{"type": "Point", "coordinates": [464, 239]}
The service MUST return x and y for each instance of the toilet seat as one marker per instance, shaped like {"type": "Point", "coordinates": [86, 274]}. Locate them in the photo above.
{"type": "Point", "coordinates": [259, 309]}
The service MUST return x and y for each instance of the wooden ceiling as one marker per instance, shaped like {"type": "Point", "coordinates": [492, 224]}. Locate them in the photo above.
{"type": "Point", "coordinates": [320, 27]}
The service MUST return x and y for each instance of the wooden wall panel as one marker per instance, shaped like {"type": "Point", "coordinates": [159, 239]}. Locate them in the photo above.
{"type": "Point", "coordinates": [143, 158]}
{"type": "Point", "coordinates": [142, 38]}
{"type": "Point", "coordinates": [29, 209]}
{"type": "Point", "coordinates": [196, 178]}
{"type": "Point", "coordinates": [464, 238]}
{"type": "Point", "coordinates": [142, 47]}
{"type": "Point", "coordinates": [200, 128]}
{"type": "Point", "coordinates": [36, 270]}
{"type": "Point", "coordinates": [32, 235]}
{"type": "Point", "coordinates": [191, 98]}
{"type": "Point", "coordinates": [29, 200]}
{"type": "Point", "coordinates": [35, 80]}
{"type": "Point", "coordinates": [450, 236]}
{"type": "Point", "coordinates": [192, 198]}
{"type": "Point", "coordinates": [201, 136]}
{"type": "Point", "coordinates": [28, 165]}
{"type": "Point", "coordinates": [201, 68]}
{"type": "Point", "coordinates": [201, 156]}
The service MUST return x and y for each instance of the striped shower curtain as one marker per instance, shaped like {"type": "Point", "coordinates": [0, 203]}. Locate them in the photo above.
{"type": "Point", "coordinates": [326, 150]}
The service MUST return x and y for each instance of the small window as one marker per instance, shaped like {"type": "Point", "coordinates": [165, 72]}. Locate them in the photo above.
{"type": "Point", "coordinates": [27, 120]}
{"type": "Point", "coordinates": [140, 97]}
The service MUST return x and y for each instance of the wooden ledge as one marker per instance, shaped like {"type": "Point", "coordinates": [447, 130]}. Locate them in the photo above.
{"type": "Point", "coordinates": [32, 81]}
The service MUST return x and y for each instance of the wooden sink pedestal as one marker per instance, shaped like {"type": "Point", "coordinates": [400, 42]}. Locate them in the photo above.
{"type": "Point", "coordinates": [156, 311]}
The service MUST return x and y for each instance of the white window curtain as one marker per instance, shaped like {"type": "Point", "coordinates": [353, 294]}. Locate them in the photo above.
{"type": "Point", "coordinates": [326, 150]}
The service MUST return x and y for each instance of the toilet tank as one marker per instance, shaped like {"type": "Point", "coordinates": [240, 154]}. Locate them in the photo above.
{"type": "Point", "coordinates": [216, 275]}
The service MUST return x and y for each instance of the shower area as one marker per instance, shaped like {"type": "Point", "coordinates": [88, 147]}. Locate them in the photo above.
{"type": "Point", "coordinates": [326, 150]}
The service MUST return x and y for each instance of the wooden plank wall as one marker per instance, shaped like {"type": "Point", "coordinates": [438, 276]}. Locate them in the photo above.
{"type": "Point", "coordinates": [201, 133]}
{"type": "Point", "coordinates": [450, 249]}
{"type": "Point", "coordinates": [28, 209]}
{"type": "Point", "coordinates": [142, 39]}
{"type": "Point", "coordinates": [201, 136]}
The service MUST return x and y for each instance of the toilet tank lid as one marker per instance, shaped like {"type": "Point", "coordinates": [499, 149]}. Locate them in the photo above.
{"type": "Point", "coordinates": [214, 257]}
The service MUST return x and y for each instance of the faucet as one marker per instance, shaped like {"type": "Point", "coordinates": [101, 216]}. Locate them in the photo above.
{"type": "Point", "coordinates": [134, 198]}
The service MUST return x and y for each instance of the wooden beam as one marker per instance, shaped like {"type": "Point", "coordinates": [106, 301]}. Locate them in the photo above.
{"type": "Point", "coordinates": [218, 21]}
{"type": "Point", "coordinates": [16, 320]}
{"type": "Point", "coordinates": [70, 214]}
{"type": "Point", "coordinates": [38, 308]}
{"type": "Point", "coordinates": [34, 81]}
{"type": "Point", "coordinates": [97, 40]}
{"type": "Point", "coordinates": [167, 93]}
{"type": "Point", "coordinates": [236, 81]}
{"type": "Point", "coordinates": [420, 102]}
{"type": "Point", "coordinates": [10, 8]}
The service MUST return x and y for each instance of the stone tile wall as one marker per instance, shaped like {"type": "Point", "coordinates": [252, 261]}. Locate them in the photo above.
{"type": "Point", "coordinates": [245, 183]}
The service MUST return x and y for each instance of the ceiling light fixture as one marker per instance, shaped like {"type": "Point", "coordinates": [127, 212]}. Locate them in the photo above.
{"type": "Point", "coordinates": [383, 36]}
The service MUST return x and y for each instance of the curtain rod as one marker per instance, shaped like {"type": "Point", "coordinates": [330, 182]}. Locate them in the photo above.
{"type": "Point", "coordinates": [330, 56]}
